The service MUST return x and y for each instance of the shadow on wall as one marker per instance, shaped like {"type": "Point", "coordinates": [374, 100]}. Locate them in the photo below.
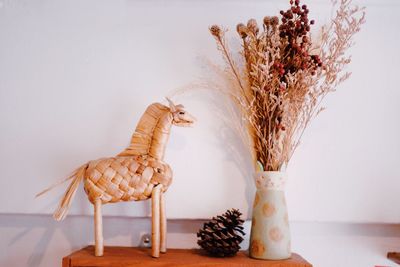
{"type": "Point", "coordinates": [228, 132]}
{"type": "Point", "coordinates": [77, 232]}
{"type": "Point", "coordinates": [235, 148]}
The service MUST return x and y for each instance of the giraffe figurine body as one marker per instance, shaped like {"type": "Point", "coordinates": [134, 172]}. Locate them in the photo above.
{"type": "Point", "coordinates": [137, 173]}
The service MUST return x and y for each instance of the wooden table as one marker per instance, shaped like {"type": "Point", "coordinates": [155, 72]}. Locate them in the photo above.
{"type": "Point", "coordinates": [394, 256]}
{"type": "Point", "coordinates": [128, 256]}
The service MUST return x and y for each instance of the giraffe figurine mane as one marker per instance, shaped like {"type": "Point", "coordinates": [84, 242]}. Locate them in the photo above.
{"type": "Point", "coordinates": [153, 127]}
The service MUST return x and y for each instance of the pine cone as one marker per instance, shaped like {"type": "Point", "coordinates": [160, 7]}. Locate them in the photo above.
{"type": "Point", "coordinates": [222, 235]}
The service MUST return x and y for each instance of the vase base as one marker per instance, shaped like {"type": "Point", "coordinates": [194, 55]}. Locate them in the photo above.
{"type": "Point", "coordinates": [271, 257]}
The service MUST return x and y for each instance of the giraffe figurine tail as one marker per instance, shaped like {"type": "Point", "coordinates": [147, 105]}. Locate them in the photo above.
{"type": "Point", "coordinates": [63, 207]}
{"type": "Point", "coordinates": [66, 200]}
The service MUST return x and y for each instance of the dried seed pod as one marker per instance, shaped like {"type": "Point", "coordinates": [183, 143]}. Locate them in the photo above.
{"type": "Point", "coordinates": [267, 21]}
{"type": "Point", "coordinates": [252, 26]}
{"type": "Point", "coordinates": [215, 30]}
{"type": "Point", "coordinates": [242, 30]}
{"type": "Point", "coordinates": [274, 21]}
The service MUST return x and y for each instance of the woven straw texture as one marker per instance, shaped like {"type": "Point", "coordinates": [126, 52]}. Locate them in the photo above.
{"type": "Point", "coordinates": [125, 178]}
{"type": "Point", "coordinates": [152, 133]}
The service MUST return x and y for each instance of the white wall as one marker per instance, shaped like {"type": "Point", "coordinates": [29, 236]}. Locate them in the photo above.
{"type": "Point", "coordinates": [75, 76]}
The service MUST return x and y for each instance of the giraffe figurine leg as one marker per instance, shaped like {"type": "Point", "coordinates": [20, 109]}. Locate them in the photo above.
{"type": "Point", "coordinates": [155, 226]}
{"type": "Point", "coordinates": [98, 229]}
{"type": "Point", "coordinates": [163, 225]}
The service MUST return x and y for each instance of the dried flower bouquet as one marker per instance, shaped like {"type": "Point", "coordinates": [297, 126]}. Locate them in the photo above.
{"type": "Point", "coordinates": [285, 75]}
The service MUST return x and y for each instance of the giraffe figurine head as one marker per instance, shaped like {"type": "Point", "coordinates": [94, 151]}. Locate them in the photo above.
{"type": "Point", "coordinates": [180, 116]}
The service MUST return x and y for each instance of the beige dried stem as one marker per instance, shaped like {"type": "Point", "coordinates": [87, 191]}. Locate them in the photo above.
{"type": "Point", "coordinates": [284, 77]}
{"type": "Point", "coordinates": [281, 90]}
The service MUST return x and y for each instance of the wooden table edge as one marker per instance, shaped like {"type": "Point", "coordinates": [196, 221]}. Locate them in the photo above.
{"type": "Point", "coordinates": [67, 261]}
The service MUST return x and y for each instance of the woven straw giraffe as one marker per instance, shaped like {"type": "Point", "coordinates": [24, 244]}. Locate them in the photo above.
{"type": "Point", "coordinates": [137, 173]}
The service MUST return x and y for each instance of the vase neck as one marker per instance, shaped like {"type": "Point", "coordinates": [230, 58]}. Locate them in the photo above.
{"type": "Point", "coordinates": [270, 180]}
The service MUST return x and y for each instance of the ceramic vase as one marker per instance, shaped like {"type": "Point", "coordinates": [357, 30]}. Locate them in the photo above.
{"type": "Point", "coordinates": [270, 234]}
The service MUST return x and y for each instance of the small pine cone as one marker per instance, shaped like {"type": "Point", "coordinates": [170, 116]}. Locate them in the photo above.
{"type": "Point", "coordinates": [222, 235]}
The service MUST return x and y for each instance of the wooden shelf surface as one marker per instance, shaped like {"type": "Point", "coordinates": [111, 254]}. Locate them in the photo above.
{"type": "Point", "coordinates": [129, 256]}
{"type": "Point", "coordinates": [394, 256]}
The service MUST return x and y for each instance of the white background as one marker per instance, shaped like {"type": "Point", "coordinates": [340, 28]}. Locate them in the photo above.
{"type": "Point", "coordinates": [75, 77]}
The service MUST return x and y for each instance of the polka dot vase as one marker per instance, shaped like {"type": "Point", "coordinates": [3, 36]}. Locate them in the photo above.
{"type": "Point", "coordinates": [270, 234]}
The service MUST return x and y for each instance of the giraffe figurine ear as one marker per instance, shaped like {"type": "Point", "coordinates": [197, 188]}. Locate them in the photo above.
{"type": "Point", "coordinates": [172, 106]}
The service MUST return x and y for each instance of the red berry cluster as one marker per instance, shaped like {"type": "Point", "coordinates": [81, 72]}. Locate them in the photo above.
{"type": "Point", "coordinates": [295, 28]}
{"type": "Point", "coordinates": [295, 21]}
{"type": "Point", "coordinates": [279, 67]}
{"type": "Point", "coordinates": [317, 63]}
